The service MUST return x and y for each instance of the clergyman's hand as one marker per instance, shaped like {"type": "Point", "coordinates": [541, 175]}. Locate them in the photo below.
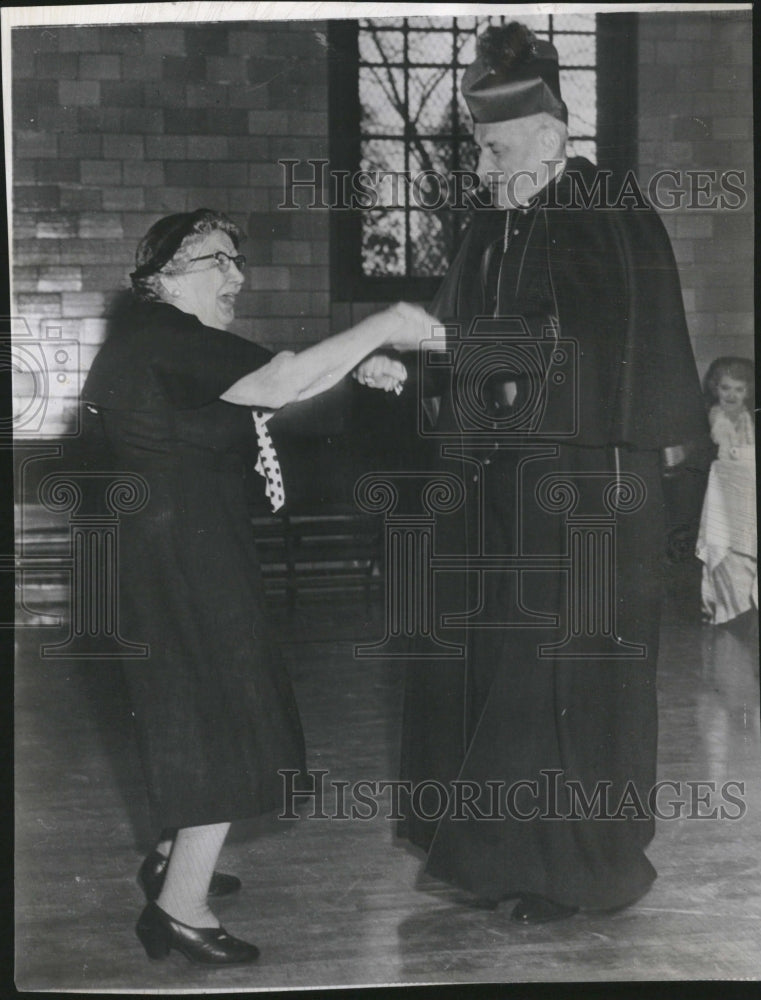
{"type": "Point", "coordinates": [380, 371]}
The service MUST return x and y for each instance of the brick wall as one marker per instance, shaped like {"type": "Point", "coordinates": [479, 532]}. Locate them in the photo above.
{"type": "Point", "coordinates": [696, 113]}
{"type": "Point", "coordinates": [115, 126]}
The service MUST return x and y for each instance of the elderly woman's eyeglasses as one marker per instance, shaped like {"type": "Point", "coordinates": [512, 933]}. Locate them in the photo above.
{"type": "Point", "coordinates": [223, 260]}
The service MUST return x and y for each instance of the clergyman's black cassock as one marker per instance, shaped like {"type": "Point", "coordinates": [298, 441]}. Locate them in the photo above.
{"type": "Point", "coordinates": [570, 743]}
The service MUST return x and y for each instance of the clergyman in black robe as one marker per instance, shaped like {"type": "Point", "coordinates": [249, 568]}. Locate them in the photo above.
{"type": "Point", "coordinates": [569, 373]}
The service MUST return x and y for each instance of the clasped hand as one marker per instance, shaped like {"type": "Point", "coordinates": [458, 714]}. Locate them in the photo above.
{"type": "Point", "coordinates": [415, 325]}
{"type": "Point", "coordinates": [380, 371]}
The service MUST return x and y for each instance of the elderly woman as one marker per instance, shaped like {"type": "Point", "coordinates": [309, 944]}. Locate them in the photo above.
{"type": "Point", "coordinates": [184, 403]}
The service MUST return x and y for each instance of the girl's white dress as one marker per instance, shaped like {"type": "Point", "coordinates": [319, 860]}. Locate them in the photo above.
{"type": "Point", "coordinates": [727, 538]}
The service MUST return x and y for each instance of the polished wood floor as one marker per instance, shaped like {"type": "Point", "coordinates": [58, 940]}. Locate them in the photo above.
{"type": "Point", "coordinates": [334, 902]}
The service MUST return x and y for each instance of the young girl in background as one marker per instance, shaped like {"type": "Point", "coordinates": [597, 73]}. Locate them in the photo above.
{"type": "Point", "coordinates": [727, 538]}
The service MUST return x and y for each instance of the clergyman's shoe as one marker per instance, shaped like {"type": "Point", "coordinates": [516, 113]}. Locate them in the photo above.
{"type": "Point", "coordinates": [153, 871]}
{"type": "Point", "coordinates": [538, 910]}
{"type": "Point", "coordinates": [159, 933]}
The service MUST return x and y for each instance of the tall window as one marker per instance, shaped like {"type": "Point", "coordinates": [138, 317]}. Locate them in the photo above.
{"type": "Point", "coordinates": [397, 108]}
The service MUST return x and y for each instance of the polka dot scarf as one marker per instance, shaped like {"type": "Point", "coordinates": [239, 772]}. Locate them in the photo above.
{"type": "Point", "coordinates": [268, 465]}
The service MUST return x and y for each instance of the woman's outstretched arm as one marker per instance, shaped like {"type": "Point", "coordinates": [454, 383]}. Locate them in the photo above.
{"type": "Point", "coordinates": [290, 377]}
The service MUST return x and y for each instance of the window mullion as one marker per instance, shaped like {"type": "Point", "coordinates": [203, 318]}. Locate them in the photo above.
{"type": "Point", "coordinates": [407, 134]}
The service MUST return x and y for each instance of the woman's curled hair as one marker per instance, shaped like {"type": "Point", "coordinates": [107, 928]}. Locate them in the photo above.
{"type": "Point", "coordinates": [169, 245]}
{"type": "Point", "coordinates": [740, 369]}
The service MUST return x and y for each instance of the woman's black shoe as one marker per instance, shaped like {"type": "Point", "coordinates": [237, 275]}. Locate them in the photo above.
{"type": "Point", "coordinates": [538, 910]}
{"type": "Point", "coordinates": [153, 870]}
{"type": "Point", "coordinates": [159, 933]}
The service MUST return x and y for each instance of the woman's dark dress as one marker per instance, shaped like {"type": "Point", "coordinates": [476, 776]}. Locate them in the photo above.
{"type": "Point", "coordinates": [213, 705]}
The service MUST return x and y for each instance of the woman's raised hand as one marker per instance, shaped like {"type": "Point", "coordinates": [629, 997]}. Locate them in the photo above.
{"type": "Point", "coordinates": [415, 325]}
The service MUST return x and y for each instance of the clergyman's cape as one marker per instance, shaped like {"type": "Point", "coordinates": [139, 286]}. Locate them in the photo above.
{"type": "Point", "coordinates": [614, 287]}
